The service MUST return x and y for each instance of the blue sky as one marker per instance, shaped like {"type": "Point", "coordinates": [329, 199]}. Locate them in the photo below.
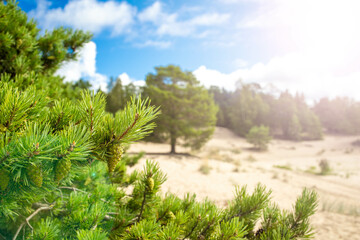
{"type": "Point", "coordinates": [300, 45]}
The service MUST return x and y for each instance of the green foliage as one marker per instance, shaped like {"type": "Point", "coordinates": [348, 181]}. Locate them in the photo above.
{"type": "Point", "coordinates": [294, 225]}
{"type": "Point", "coordinates": [223, 100]}
{"type": "Point", "coordinates": [55, 176]}
{"type": "Point", "coordinates": [36, 139]}
{"type": "Point", "coordinates": [247, 109]}
{"type": "Point", "coordinates": [250, 105]}
{"type": "Point", "coordinates": [324, 167]}
{"type": "Point", "coordinates": [205, 168]}
{"type": "Point", "coordinates": [294, 129]}
{"type": "Point", "coordinates": [47, 228]}
{"type": "Point", "coordinates": [119, 95]}
{"type": "Point", "coordinates": [91, 203]}
{"type": "Point", "coordinates": [339, 115]}
{"type": "Point", "coordinates": [93, 234]}
{"type": "Point", "coordinates": [259, 136]}
{"type": "Point", "coordinates": [285, 167]}
{"type": "Point", "coordinates": [188, 111]}
{"type": "Point", "coordinates": [28, 58]}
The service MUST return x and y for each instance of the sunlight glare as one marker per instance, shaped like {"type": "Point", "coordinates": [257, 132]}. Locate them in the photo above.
{"type": "Point", "coordinates": [329, 31]}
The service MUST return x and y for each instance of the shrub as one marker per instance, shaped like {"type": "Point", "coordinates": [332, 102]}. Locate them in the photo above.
{"type": "Point", "coordinates": [259, 136]}
{"type": "Point", "coordinates": [324, 167]}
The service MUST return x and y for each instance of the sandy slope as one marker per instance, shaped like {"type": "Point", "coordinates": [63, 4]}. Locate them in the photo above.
{"type": "Point", "coordinates": [233, 163]}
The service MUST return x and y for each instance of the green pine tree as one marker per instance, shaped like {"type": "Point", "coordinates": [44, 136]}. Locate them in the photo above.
{"type": "Point", "coordinates": [259, 136]}
{"type": "Point", "coordinates": [119, 95]}
{"type": "Point", "coordinates": [247, 109]}
{"type": "Point", "coordinates": [29, 58]}
{"type": "Point", "coordinates": [294, 129]}
{"type": "Point", "coordinates": [188, 111]}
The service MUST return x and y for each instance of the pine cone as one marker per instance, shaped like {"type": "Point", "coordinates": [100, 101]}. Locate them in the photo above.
{"type": "Point", "coordinates": [170, 215]}
{"type": "Point", "coordinates": [4, 179]}
{"type": "Point", "coordinates": [2, 128]}
{"type": "Point", "coordinates": [115, 152]}
{"type": "Point", "coordinates": [62, 169]}
{"type": "Point", "coordinates": [150, 184]}
{"type": "Point", "coordinates": [35, 175]}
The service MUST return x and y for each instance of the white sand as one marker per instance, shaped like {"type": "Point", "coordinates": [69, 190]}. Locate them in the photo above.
{"type": "Point", "coordinates": [338, 215]}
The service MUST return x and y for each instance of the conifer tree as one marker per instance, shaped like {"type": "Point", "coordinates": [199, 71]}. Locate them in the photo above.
{"type": "Point", "coordinates": [188, 111]}
{"type": "Point", "coordinates": [29, 58]}
{"type": "Point", "coordinates": [339, 115]}
{"type": "Point", "coordinates": [247, 108]}
{"type": "Point", "coordinates": [222, 98]}
{"type": "Point", "coordinates": [119, 95]}
{"type": "Point", "coordinates": [250, 105]}
{"type": "Point", "coordinates": [294, 129]}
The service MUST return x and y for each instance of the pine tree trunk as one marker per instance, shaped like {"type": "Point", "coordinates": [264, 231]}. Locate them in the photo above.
{"type": "Point", "coordinates": [173, 144]}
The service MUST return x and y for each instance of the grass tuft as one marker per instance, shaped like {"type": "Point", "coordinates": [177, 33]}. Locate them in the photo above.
{"type": "Point", "coordinates": [285, 167]}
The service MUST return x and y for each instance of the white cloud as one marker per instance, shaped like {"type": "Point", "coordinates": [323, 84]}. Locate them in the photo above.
{"type": "Point", "coordinates": [120, 18]}
{"type": "Point", "coordinates": [98, 81]}
{"type": "Point", "coordinates": [318, 26]}
{"type": "Point", "coordinates": [240, 1]}
{"type": "Point", "coordinates": [209, 19]}
{"type": "Point", "coordinates": [125, 80]}
{"type": "Point", "coordinates": [295, 72]}
{"type": "Point", "coordinates": [316, 43]}
{"type": "Point", "coordinates": [240, 63]}
{"type": "Point", "coordinates": [210, 77]}
{"type": "Point", "coordinates": [152, 13]}
{"type": "Point", "coordinates": [157, 44]}
{"type": "Point", "coordinates": [84, 67]}
{"type": "Point", "coordinates": [169, 24]}
{"type": "Point", "coordinates": [92, 15]}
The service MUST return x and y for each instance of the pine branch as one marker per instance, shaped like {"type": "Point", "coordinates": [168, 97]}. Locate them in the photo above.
{"type": "Point", "coordinates": [242, 214]}
{"type": "Point", "coordinates": [78, 122]}
{"type": "Point", "coordinates": [79, 190]}
{"type": "Point", "coordinates": [30, 217]}
{"type": "Point", "coordinates": [91, 117]}
{"type": "Point", "coordinates": [142, 206]}
{"type": "Point", "coordinates": [6, 156]}
{"type": "Point", "coordinates": [163, 215]}
{"type": "Point", "coordinates": [2, 237]}
{"type": "Point", "coordinates": [58, 120]}
{"type": "Point", "coordinates": [207, 227]}
{"type": "Point", "coordinates": [130, 127]}
{"type": "Point", "coordinates": [193, 228]}
{"type": "Point", "coordinates": [12, 115]}
{"type": "Point", "coordinates": [95, 221]}
{"type": "Point", "coordinates": [33, 104]}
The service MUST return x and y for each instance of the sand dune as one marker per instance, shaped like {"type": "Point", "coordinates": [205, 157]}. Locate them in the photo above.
{"type": "Point", "coordinates": [286, 168]}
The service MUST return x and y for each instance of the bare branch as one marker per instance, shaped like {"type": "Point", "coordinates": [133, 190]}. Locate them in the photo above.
{"type": "Point", "coordinates": [30, 217]}
{"type": "Point", "coordinates": [142, 206]}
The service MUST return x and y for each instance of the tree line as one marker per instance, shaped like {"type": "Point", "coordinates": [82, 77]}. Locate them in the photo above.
{"type": "Point", "coordinates": [287, 116]}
